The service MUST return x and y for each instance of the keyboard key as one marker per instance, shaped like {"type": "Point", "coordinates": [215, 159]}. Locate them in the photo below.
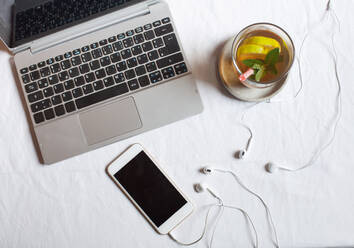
{"type": "Point", "coordinates": [50, 61]}
{"type": "Point", "coordinates": [139, 38]}
{"type": "Point", "coordinates": [90, 77]}
{"type": "Point", "coordinates": [75, 61]}
{"type": "Point", "coordinates": [39, 106]}
{"type": "Point", "coordinates": [132, 62]}
{"type": "Point", "coordinates": [76, 52]}
{"type": "Point", "coordinates": [68, 55]}
{"type": "Point", "coordinates": [115, 57]}
{"type": "Point", "coordinates": [74, 72]}
{"type": "Point", "coordinates": [166, 20]}
{"type": "Point", "coordinates": [86, 57]}
{"type": "Point", "coordinates": [31, 87]}
{"type": "Point", "coordinates": [129, 74]}
{"type": "Point", "coordinates": [149, 35]}
{"type": "Point", "coordinates": [33, 67]}
{"type": "Point", "coordinates": [136, 50]}
{"type": "Point", "coordinates": [70, 107]}
{"type": "Point", "coordinates": [142, 59]}
{"type": "Point", "coordinates": [181, 68]}
{"type": "Point", "coordinates": [94, 65]}
{"type": "Point", "coordinates": [126, 54]}
{"type": "Point", "coordinates": [24, 70]}
{"type": "Point", "coordinates": [171, 45]}
{"type": "Point", "coordinates": [41, 64]}
{"type": "Point", "coordinates": [59, 110]}
{"type": "Point", "coordinates": [38, 118]}
{"type": "Point", "coordinates": [103, 42]}
{"type": "Point", "coordinates": [128, 42]}
{"type": "Point", "coordinates": [68, 85]}
{"type": "Point", "coordinates": [119, 78]}
{"type": "Point", "coordinates": [101, 95]}
{"type": "Point", "coordinates": [63, 76]}
{"type": "Point", "coordinates": [77, 92]}
{"type": "Point", "coordinates": [26, 79]}
{"type": "Point", "coordinates": [43, 83]}
{"type": "Point", "coordinates": [155, 77]}
{"type": "Point", "coordinates": [105, 61]}
{"type": "Point", "coordinates": [84, 68]}
{"type": "Point", "coordinates": [148, 26]}
{"type": "Point", "coordinates": [153, 55]}
{"type": "Point", "coordinates": [147, 46]}
{"type": "Point", "coordinates": [100, 73]}
{"type": "Point", "coordinates": [85, 49]}
{"type": "Point", "coordinates": [53, 79]}
{"type": "Point", "coordinates": [133, 84]}
{"type": "Point", "coordinates": [56, 99]}
{"type": "Point", "coordinates": [118, 46]}
{"type": "Point", "coordinates": [140, 70]}
{"type": "Point", "coordinates": [59, 58]}
{"type": "Point", "coordinates": [35, 75]}
{"type": "Point", "coordinates": [110, 70]}
{"type": "Point", "coordinates": [97, 53]}
{"type": "Point", "coordinates": [107, 50]}
{"type": "Point", "coordinates": [87, 89]}
{"type": "Point", "coordinates": [112, 39]}
{"type": "Point", "coordinates": [55, 68]}
{"type": "Point", "coordinates": [157, 43]}
{"type": "Point", "coordinates": [121, 36]}
{"type": "Point", "coordinates": [121, 66]}
{"type": "Point", "coordinates": [79, 81]}
{"type": "Point", "coordinates": [170, 60]}
{"type": "Point", "coordinates": [108, 81]}
{"type": "Point", "coordinates": [168, 73]}
{"type": "Point", "coordinates": [157, 23]}
{"type": "Point", "coordinates": [98, 85]}
{"type": "Point", "coordinates": [94, 45]}
{"type": "Point", "coordinates": [130, 33]}
{"type": "Point", "coordinates": [45, 72]}
{"type": "Point", "coordinates": [165, 29]}
{"type": "Point", "coordinates": [58, 88]}
{"type": "Point", "coordinates": [151, 67]}
{"type": "Point", "coordinates": [144, 81]}
{"type": "Point", "coordinates": [66, 96]}
{"type": "Point", "coordinates": [139, 30]}
{"type": "Point", "coordinates": [49, 114]}
{"type": "Point", "coordinates": [48, 92]}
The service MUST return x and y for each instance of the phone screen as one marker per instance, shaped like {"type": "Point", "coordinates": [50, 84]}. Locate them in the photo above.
{"type": "Point", "coordinates": [150, 189]}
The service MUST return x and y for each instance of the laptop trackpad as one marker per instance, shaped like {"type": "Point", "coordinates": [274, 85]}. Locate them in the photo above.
{"type": "Point", "coordinates": [110, 121]}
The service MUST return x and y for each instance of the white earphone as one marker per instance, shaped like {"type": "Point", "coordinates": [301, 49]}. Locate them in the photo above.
{"type": "Point", "coordinates": [242, 154]}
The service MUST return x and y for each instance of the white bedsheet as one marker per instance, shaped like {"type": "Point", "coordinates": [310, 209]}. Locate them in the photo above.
{"type": "Point", "coordinates": [75, 204]}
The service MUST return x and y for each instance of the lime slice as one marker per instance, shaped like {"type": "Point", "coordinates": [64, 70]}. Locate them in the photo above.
{"type": "Point", "coordinates": [266, 42]}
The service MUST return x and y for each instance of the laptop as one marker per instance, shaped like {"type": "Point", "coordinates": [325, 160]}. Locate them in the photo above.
{"type": "Point", "coordinates": [95, 72]}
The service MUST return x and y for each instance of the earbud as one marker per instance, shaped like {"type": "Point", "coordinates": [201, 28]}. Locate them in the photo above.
{"type": "Point", "coordinates": [271, 168]}
{"type": "Point", "coordinates": [242, 154]}
{"type": "Point", "coordinates": [201, 187]}
{"type": "Point", "coordinates": [207, 170]}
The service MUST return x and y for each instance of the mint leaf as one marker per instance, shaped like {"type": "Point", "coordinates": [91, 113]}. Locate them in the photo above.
{"type": "Point", "coordinates": [272, 69]}
{"type": "Point", "coordinates": [251, 62]}
{"type": "Point", "coordinates": [272, 57]}
{"type": "Point", "coordinates": [259, 75]}
{"type": "Point", "coordinates": [257, 66]}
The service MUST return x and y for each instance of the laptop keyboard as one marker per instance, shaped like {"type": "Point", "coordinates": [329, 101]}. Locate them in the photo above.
{"type": "Point", "coordinates": [108, 68]}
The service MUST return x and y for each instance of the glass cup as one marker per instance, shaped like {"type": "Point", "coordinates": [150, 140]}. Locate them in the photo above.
{"type": "Point", "coordinates": [261, 29]}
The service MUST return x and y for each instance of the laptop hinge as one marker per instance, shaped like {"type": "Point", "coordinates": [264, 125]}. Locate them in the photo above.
{"type": "Point", "coordinates": [91, 26]}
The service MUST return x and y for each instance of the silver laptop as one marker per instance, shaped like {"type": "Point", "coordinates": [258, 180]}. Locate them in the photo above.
{"type": "Point", "coordinates": [95, 72]}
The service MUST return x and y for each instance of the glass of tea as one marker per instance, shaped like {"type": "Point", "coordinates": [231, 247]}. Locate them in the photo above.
{"type": "Point", "coordinates": [262, 55]}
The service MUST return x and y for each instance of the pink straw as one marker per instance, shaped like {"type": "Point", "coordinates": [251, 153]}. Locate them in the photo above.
{"type": "Point", "coordinates": [246, 75]}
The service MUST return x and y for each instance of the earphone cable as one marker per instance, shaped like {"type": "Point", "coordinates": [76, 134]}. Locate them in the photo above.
{"type": "Point", "coordinates": [269, 215]}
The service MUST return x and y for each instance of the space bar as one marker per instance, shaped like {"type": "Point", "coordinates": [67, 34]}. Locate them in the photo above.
{"type": "Point", "coordinates": [101, 96]}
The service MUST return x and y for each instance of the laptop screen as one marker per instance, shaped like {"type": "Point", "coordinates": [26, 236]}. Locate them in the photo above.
{"type": "Point", "coordinates": [27, 20]}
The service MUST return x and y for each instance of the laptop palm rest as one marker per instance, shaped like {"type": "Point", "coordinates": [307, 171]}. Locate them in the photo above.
{"type": "Point", "coordinates": [109, 121]}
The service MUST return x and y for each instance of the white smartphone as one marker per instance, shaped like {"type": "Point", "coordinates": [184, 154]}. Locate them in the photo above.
{"type": "Point", "coordinates": [149, 188]}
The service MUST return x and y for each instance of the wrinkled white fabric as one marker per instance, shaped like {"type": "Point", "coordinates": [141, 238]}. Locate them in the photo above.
{"type": "Point", "coordinates": [74, 204]}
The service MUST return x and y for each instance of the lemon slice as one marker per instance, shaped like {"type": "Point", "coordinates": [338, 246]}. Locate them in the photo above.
{"type": "Point", "coordinates": [251, 49]}
{"type": "Point", "coordinates": [268, 43]}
